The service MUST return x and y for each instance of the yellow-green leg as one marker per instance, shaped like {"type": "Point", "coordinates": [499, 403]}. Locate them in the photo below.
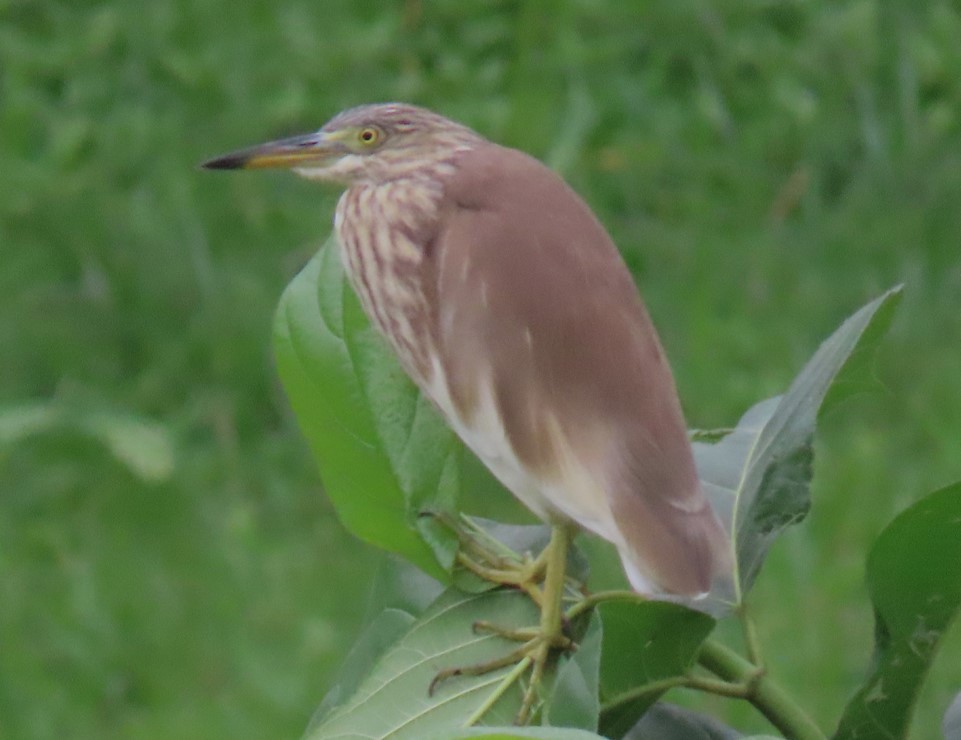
{"type": "Point", "coordinates": [539, 642]}
{"type": "Point", "coordinates": [552, 629]}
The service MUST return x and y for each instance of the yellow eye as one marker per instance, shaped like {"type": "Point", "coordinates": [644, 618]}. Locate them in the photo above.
{"type": "Point", "coordinates": [368, 136]}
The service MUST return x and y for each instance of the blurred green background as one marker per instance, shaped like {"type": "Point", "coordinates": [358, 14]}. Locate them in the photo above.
{"type": "Point", "coordinates": [169, 566]}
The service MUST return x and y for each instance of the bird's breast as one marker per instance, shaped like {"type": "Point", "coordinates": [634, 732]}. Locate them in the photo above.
{"type": "Point", "coordinates": [381, 229]}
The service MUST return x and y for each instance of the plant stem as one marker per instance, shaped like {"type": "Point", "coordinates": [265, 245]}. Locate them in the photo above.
{"type": "Point", "coordinates": [769, 698]}
{"type": "Point", "coordinates": [751, 639]}
{"type": "Point", "coordinates": [741, 678]}
{"type": "Point", "coordinates": [589, 602]}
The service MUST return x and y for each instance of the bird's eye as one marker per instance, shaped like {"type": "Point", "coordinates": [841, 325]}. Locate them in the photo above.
{"type": "Point", "coordinates": [368, 136]}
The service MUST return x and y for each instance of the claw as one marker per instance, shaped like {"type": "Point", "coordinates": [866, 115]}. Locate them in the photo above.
{"type": "Point", "coordinates": [515, 656]}
{"type": "Point", "coordinates": [486, 557]}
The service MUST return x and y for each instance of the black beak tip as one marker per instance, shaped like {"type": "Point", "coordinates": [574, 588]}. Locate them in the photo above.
{"type": "Point", "coordinates": [226, 162]}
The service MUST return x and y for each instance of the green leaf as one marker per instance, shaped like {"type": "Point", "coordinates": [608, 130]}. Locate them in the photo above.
{"type": "Point", "coordinates": [574, 700]}
{"type": "Point", "coordinates": [142, 445]}
{"type": "Point", "coordinates": [951, 726]}
{"type": "Point", "coordinates": [399, 585]}
{"type": "Point", "coordinates": [385, 630]}
{"type": "Point", "coordinates": [664, 720]}
{"type": "Point", "coordinates": [914, 581]}
{"type": "Point", "coordinates": [384, 454]}
{"type": "Point", "coordinates": [17, 422]}
{"type": "Point", "coordinates": [644, 643]}
{"type": "Point", "coordinates": [520, 733]}
{"type": "Point", "coordinates": [392, 700]}
{"type": "Point", "coordinates": [758, 476]}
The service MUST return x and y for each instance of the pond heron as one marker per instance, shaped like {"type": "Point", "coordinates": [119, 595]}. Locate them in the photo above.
{"type": "Point", "coordinates": [507, 303]}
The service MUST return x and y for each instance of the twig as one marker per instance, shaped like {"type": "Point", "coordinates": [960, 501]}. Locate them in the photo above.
{"type": "Point", "coordinates": [769, 698]}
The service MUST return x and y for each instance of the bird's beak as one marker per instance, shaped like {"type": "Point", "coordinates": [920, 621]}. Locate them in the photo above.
{"type": "Point", "coordinates": [307, 150]}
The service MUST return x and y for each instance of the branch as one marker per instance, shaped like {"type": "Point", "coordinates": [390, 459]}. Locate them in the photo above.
{"type": "Point", "coordinates": [769, 698]}
{"type": "Point", "coordinates": [740, 678]}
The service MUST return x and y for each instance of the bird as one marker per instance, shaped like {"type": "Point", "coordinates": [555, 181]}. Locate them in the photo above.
{"type": "Point", "coordinates": [510, 307]}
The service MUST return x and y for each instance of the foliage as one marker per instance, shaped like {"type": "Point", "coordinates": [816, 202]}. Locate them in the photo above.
{"type": "Point", "coordinates": [758, 475]}
{"type": "Point", "coordinates": [392, 699]}
{"type": "Point", "coordinates": [916, 591]}
{"type": "Point", "coordinates": [764, 167]}
{"type": "Point", "coordinates": [140, 444]}
{"type": "Point", "coordinates": [385, 454]}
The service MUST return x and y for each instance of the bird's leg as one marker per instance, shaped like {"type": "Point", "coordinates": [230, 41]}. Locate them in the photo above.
{"type": "Point", "coordinates": [551, 629]}
{"type": "Point", "coordinates": [539, 643]}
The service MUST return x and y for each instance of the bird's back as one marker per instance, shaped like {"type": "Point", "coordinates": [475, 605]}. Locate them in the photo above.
{"type": "Point", "coordinates": [554, 372]}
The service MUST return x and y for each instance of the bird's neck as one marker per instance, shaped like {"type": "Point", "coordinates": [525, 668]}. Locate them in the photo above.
{"type": "Point", "coordinates": [383, 229]}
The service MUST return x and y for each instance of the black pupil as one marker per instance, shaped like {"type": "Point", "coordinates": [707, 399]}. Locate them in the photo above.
{"type": "Point", "coordinates": [367, 135]}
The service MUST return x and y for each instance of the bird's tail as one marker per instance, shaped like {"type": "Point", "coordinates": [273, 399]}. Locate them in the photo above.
{"type": "Point", "coordinates": [680, 553]}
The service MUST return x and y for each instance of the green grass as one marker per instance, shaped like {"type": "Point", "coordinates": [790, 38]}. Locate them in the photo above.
{"type": "Point", "coordinates": [766, 167]}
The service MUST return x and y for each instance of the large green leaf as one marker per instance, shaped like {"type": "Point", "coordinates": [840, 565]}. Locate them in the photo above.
{"type": "Point", "coordinates": [574, 700]}
{"type": "Point", "coordinates": [519, 733]}
{"type": "Point", "coordinates": [644, 643]}
{"type": "Point", "coordinates": [951, 725]}
{"type": "Point", "coordinates": [758, 476]}
{"type": "Point", "coordinates": [914, 579]}
{"type": "Point", "coordinates": [397, 584]}
{"type": "Point", "coordinates": [381, 634]}
{"type": "Point", "coordinates": [384, 454]}
{"type": "Point", "coordinates": [664, 720]}
{"type": "Point", "coordinates": [392, 700]}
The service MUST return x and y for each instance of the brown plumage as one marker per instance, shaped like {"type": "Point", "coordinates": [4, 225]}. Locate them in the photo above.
{"type": "Point", "coordinates": [508, 304]}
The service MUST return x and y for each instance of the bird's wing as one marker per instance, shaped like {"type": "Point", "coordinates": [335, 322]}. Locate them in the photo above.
{"type": "Point", "coordinates": [537, 311]}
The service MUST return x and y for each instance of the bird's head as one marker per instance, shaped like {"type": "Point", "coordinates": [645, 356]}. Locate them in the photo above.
{"type": "Point", "coordinates": [371, 143]}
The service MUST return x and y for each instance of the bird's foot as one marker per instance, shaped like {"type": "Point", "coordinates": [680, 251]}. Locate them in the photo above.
{"type": "Point", "coordinates": [534, 656]}
{"type": "Point", "coordinates": [525, 573]}
{"type": "Point", "coordinates": [494, 562]}
{"type": "Point", "coordinates": [543, 578]}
